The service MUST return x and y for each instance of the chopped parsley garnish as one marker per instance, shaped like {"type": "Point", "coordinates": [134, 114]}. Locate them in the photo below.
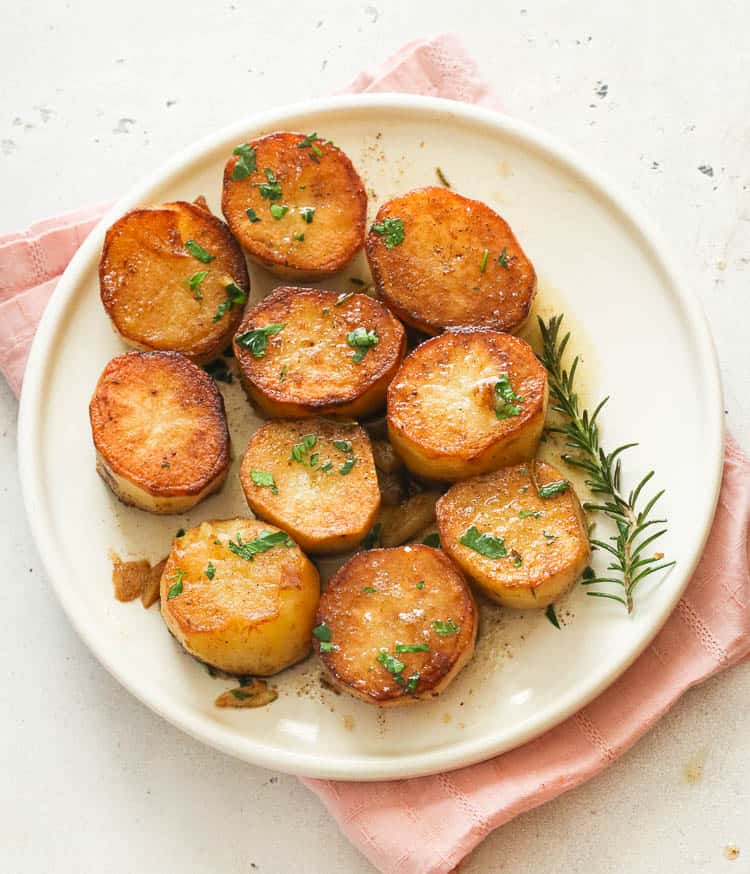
{"type": "Point", "coordinates": [322, 632]}
{"type": "Point", "coordinates": [420, 585]}
{"type": "Point", "coordinates": [318, 151]}
{"type": "Point", "coordinates": [278, 211]}
{"type": "Point", "coordinates": [524, 514]}
{"type": "Point", "coordinates": [588, 574]}
{"type": "Point", "coordinates": [411, 685]}
{"type": "Point", "coordinates": [197, 251]}
{"type": "Point", "coordinates": [307, 213]}
{"type": "Point", "coordinates": [235, 295]}
{"type": "Point", "coordinates": [392, 231]}
{"type": "Point", "coordinates": [218, 370]}
{"type": "Point", "coordinates": [282, 373]}
{"type": "Point", "coordinates": [256, 340]}
{"type": "Point", "coordinates": [506, 400]}
{"type": "Point", "coordinates": [390, 663]}
{"type": "Point", "coordinates": [445, 629]}
{"type": "Point", "coordinates": [432, 540]}
{"type": "Point", "coordinates": [551, 615]}
{"type": "Point", "coordinates": [550, 537]}
{"type": "Point", "coordinates": [485, 257]}
{"type": "Point", "coordinates": [347, 466]}
{"type": "Point", "coordinates": [343, 298]}
{"type": "Point", "coordinates": [270, 190]}
{"type": "Point", "coordinates": [328, 647]}
{"type": "Point", "coordinates": [441, 177]}
{"type": "Point", "coordinates": [266, 540]}
{"type": "Point", "coordinates": [210, 571]}
{"type": "Point", "coordinates": [251, 214]}
{"type": "Point", "coordinates": [299, 450]}
{"type": "Point", "coordinates": [180, 532]}
{"type": "Point", "coordinates": [194, 283]}
{"type": "Point", "coordinates": [372, 538]}
{"type": "Point", "coordinates": [241, 695]}
{"type": "Point", "coordinates": [343, 445]}
{"type": "Point", "coordinates": [549, 490]}
{"type": "Point", "coordinates": [368, 590]}
{"type": "Point", "coordinates": [361, 340]}
{"type": "Point", "coordinates": [517, 560]}
{"type": "Point", "coordinates": [325, 468]}
{"type": "Point", "coordinates": [245, 164]}
{"type": "Point", "coordinates": [264, 479]}
{"type": "Point", "coordinates": [176, 588]}
{"type": "Point", "coordinates": [484, 544]}
{"type": "Point", "coordinates": [300, 238]}
{"type": "Point", "coordinates": [307, 141]}
{"type": "Point", "coordinates": [412, 647]}
{"type": "Point", "coordinates": [503, 259]}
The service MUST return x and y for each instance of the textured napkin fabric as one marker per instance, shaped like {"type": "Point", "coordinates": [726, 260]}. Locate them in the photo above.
{"type": "Point", "coordinates": [427, 825]}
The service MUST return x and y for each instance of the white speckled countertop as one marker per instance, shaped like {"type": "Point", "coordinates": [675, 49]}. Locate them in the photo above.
{"type": "Point", "coordinates": [96, 95]}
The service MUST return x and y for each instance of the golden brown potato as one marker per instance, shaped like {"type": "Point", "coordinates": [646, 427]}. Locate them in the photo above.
{"type": "Point", "coordinates": [295, 203]}
{"type": "Point", "coordinates": [306, 352]}
{"type": "Point", "coordinates": [173, 278]}
{"type": "Point", "coordinates": [467, 402]}
{"type": "Point", "coordinates": [240, 595]}
{"type": "Point", "coordinates": [523, 549]}
{"type": "Point", "coordinates": [160, 432]}
{"type": "Point", "coordinates": [440, 260]}
{"type": "Point", "coordinates": [396, 625]}
{"type": "Point", "coordinates": [315, 479]}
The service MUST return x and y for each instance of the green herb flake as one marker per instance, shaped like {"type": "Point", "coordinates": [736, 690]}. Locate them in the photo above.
{"type": "Point", "coordinates": [392, 231]}
{"type": "Point", "coordinates": [176, 588]}
{"type": "Point", "coordinates": [503, 258]}
{"type": "Point", "coordinates": [552, 616]}
{"type": "Point", "coordinates": [307, 141]}
{"type": "Point", "coordinates": [180, 532]}
{"type": "Point", "coordinates": [517, 560]}
{"type": "Point", "coordinates": [245, 163]}
{"type": "Point", "coordinates": [411, 685]}
{"type": "Point", "coordinates": [441, 176]}
{"type": "Point", "coordinates": [235, 297]}
{"type": "Point", "coordinates": [264, 479]}
{"type": "Point", "coordinates": [328, 647]}
{"type": "Point", "coordinates": [343, 298]}
{"type": "Point", "coordinates": [282, 373]}
{"type": "Point", "coordinates": [534, 514]}
{"type": "Point", "coordinates": [419, 585]}
{"type": "Point", "coordinates": [241, 695]}
{"type": "Point", "coordinates": [343, 445]}
{"type": "Point", "coordinates": [361, 340]}
{"type": "Point", "coordinates": [368, 590]}
{"type": "Point", "coordinates": [194, 283]}
{"type": "Point", "coordinates": [266, 540]}
{"type": "Point", "coordinates": [412, 647]}
{"type": "Point", "coordinates": [484, 544]}
{"type": "Point", "coordinates": [485, 257]}
{"type": "Point", "coordinates": [210, 571]}
{"type": "Point", "coordinates": [307, 213]}
{"type": "Point", "coordinates": [270, 190]}
{"type": "Point", "coordinates": [506, 400]}
{"type": "Point", "coordinates": [322, 632]}
{"type": "Point", "coordinates": [318, 151]}
{"type": "Point", "coordinates": [256, 340]}
{"type": "Point", "coordinates": [390, 663]}
{"type": "Point", "coordinates": [445, 629]}
{"type": "Point", "coordinates": [550, 490]}
{"type": "Point", "coordinates": [550, 537]}
{"type": "Point", "coordinates": [347, 466]}
{"type": "Point", "coordinates": [432, 540]}
{"type": "Point", "coordinates": [372, 538]}
{"type": "Point", "coordinates": [588, 574]}
{"type": "Point", "coordinates": [300, 238]}
{"type": "Point", "coordinates": [197, 251]}
{"type": "Point", "coordinates": [278, 211]}
{"type": "Point", "coordinates": [300, 450]}
{"type": "Point", "coordinates": [252, 215]}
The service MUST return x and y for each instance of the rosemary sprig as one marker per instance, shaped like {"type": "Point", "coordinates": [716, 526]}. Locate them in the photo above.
{"type": "Point", "coordinates": [629, 566]}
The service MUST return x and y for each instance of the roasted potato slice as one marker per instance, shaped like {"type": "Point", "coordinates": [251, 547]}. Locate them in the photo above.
{"type": "Point", "coordinates": [315, 479]}
{"type": "Point", "coordinates": [174, 278]}
{"type": "Point", "coordinates": [160, 431]}
{"type": "Point", "coordinates": [465, 403]}
{"type": "Point", "coordinates": [305, 352]}
{"type": "Point", "coordinates": [240, 595]}
{"type": "Point", "coordinates": [523, 549]}
{"type": "Point", "coordinates": [295, 203]}
{"type": "Point", "coordinates": [396, 625]}
{"type": "Point", "coordinates": [450, 262]}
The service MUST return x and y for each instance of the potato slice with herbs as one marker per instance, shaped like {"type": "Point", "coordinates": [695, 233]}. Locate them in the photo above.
{"type": "Point", "coordinates": [240, 595]}
{"type": "Point", "coordinates": [519, 533]}
{"type": "Point", "coordinates": [160, 432]}
{"type": "Point", "coordinates": [440, 260]}
{"type": "Point", "coordinates": [174, 278]}
{"type": "Point", "coordinates": [315, 479]}
{"type": "Point", "coordinates": [396, 625]}
{"type": "Point", "coordinates": [306, 352]}
{"type": "Point", "coordinates": [295, 203]}
{"type": "Point", "coordinates": [465, 403]}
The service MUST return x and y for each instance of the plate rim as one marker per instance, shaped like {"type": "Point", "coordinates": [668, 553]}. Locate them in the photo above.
{"type": "Point", "coordinates": [350, 767]}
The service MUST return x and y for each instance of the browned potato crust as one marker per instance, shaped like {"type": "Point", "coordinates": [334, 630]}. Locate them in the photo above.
{"type": "Point", "coordinates": [241, 616]}
{"type": "Point", "coordinates": [418, 593]}
{"type": "Point", "coordinates": [318, 176]}
{"type": "Point", "coordinates": [144, 273]}
{"type": "Point", "coordinates": [160, 431]}
{"type": "Point", "coordinates": [545, 539]}
{"type": "Point", "coordinates": [435, 278]}
{"type": "Point", "coordinates": [323, 500]}
{"type": "Point", "coordinates": [442, 417]}
{"type": "Point", "coordinates": [309, 368]}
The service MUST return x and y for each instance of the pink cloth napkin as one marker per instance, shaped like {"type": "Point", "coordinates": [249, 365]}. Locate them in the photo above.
{"type": "Point", "coordinates": [427, 825]}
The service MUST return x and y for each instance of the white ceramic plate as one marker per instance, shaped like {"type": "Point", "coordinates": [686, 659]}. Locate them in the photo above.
{"type": "Point", "coordinates": [644, 342]}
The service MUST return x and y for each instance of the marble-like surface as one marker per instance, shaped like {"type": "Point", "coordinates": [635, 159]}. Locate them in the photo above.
{"type": "Point", "coordinates": [96, 95]}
